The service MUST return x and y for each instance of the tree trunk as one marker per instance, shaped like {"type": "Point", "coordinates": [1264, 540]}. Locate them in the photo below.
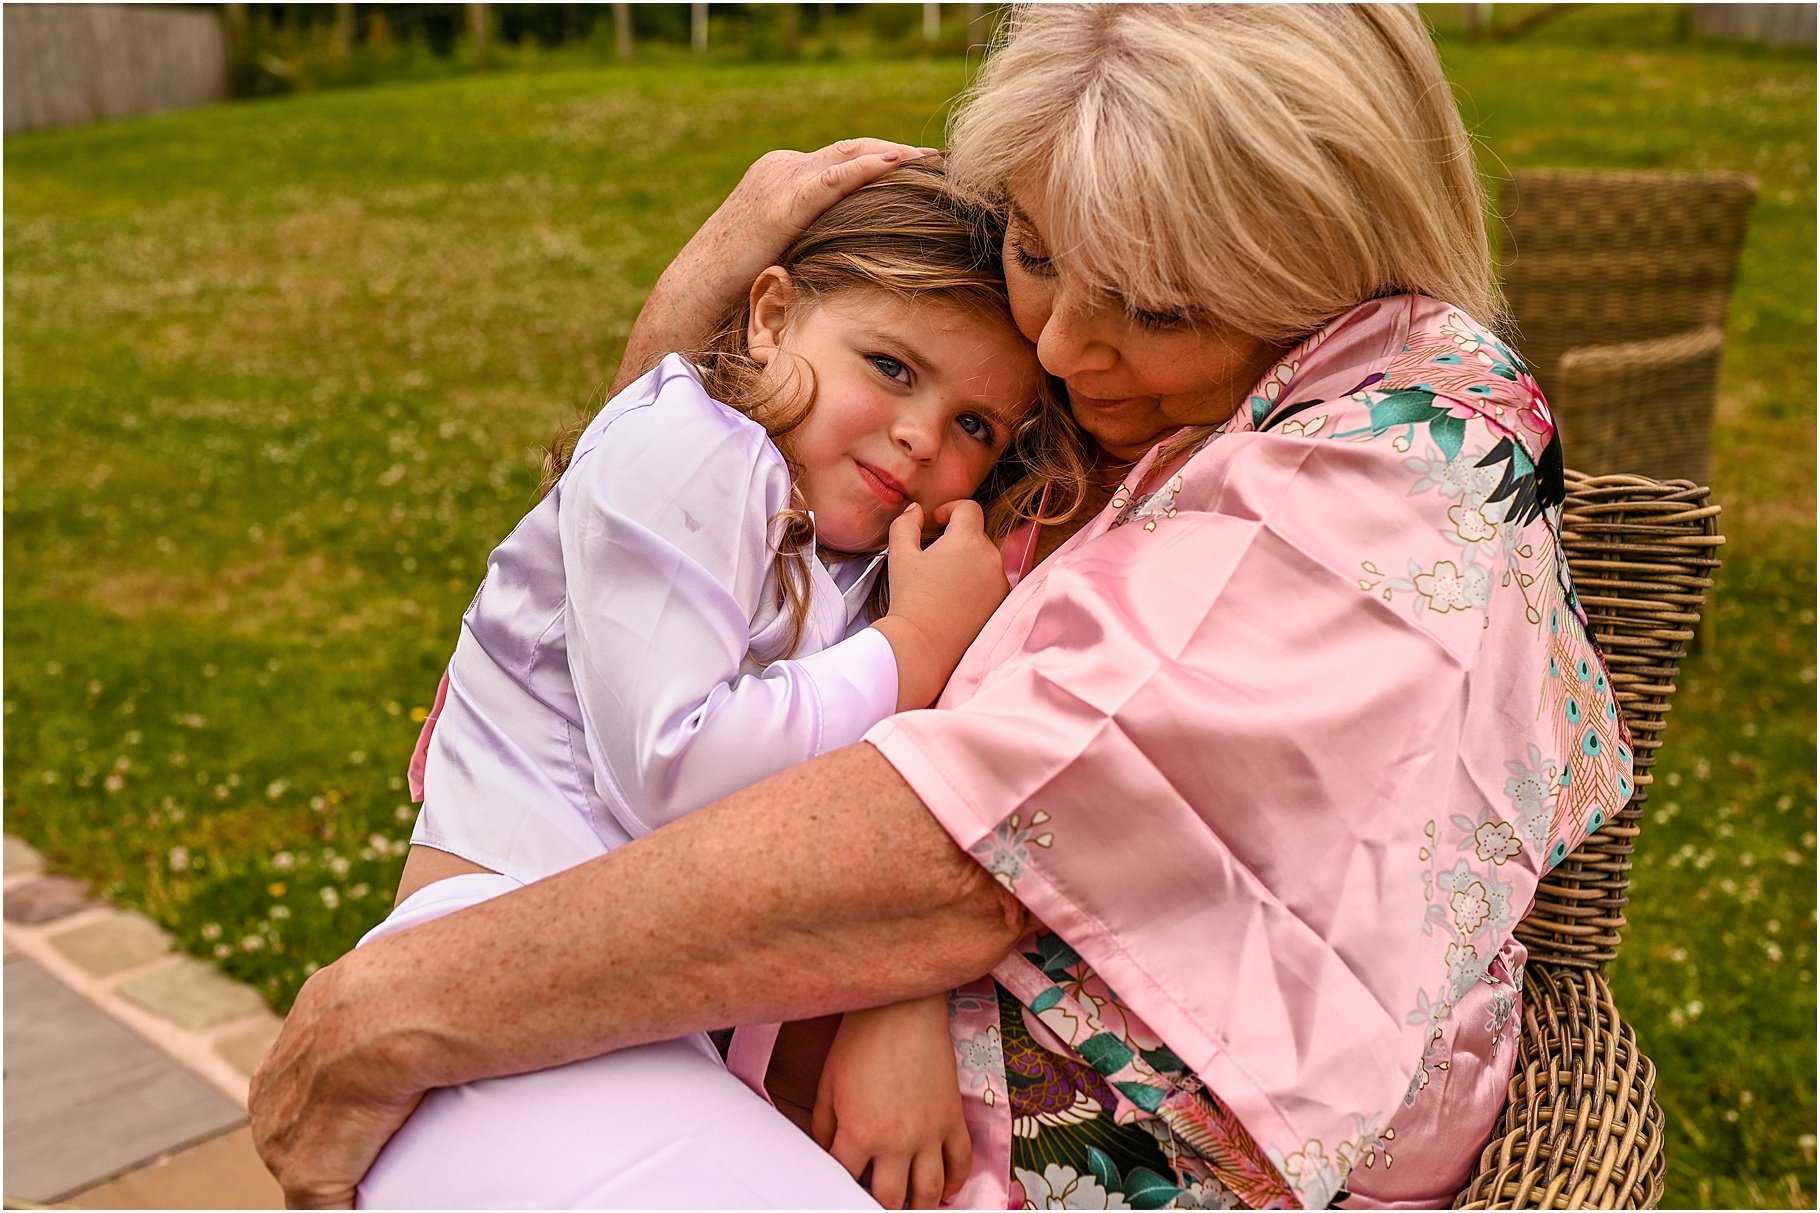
{"type": "Point", "coordinates": [622, 32]}
{"type": "Point", "coordinates": [698, 28]}
{"type": "Point", "coordinates": [480, 22]}
{"type": "Point", "coordinates": [979, 25]}
{"type": "Point", "coordinates": [932, 22]}
{"type": "Point", "coordinates": [344, 34]}
{"type": "Point", "coordinates": [793, 32]}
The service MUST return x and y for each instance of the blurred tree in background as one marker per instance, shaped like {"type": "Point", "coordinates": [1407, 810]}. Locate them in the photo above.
{"type": "Point", "coordinates": [281, 48]}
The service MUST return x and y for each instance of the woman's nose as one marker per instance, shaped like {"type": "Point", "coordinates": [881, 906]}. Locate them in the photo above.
{"type": "Point", "coordinates": [1075, 337]}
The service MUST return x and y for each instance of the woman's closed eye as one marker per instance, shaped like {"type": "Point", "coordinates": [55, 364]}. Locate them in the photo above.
{"type": "Point", "coordinates": [891, 368]}
{"type": "Point", "coordinates": [1161, 321]}
{"type": "Point", "coordinates": [1031, 262]}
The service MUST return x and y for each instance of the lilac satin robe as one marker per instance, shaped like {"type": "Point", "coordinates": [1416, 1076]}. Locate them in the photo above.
{"type": "Point", "coordinates": [1279, 745]}
{"type": "Point", "coordinates": [618, 666]}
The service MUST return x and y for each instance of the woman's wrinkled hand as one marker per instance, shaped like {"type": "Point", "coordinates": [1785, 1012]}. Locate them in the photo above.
{"type": "Point", "coordinates": [780, 195]}
{"type": "Point", "coordinates": [323, 1102]}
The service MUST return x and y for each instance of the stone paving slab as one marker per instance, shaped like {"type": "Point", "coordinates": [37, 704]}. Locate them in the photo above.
{"type": "Point", "coordinates": [221, 1173]}
{"type": "Point", "coordinates": [244, 1048]}
{"type": "Point", "coordinates": [112, 945]}
{"type": "Point", "coordinates": [20, 857]}
{"type": "Point", "coordinates": [192, 995]}
{"type": "Point", "coordinates": [47, 898]}
{"type": "Point", "coordinates": [85, 1098]}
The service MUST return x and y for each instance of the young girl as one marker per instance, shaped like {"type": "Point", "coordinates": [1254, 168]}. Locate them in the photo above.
{"type": "Point", "coordinates": [694, 605]}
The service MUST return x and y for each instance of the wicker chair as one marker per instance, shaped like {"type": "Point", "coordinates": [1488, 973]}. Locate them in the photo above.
{"type": "Point", "coordinates": [1582, 1128]}
{"type": "Point", "coordinates": [1643, 406]}
{"type": "Point", "coordinates": [1642, 263]}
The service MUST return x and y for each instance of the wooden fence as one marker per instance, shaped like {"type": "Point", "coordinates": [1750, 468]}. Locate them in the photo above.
{"type": "Point", "coordinates": [72, 63]}
{"type": "Point", "coordinates": [1774, 24]}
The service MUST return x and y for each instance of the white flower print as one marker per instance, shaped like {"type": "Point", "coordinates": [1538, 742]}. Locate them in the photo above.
{"type": "Point", "coordinates": [1464, 969]}
{"type": "Point", "coordinates": [1418, 1083]}
{"type": "Point", "coordinates": [1503, 1005]}
{"type": "Point", "coordinates": [1443, 587]}
{"type": "Point", "coordinates": [1060, 1187]}
{"type": "Point", "coordinates": [1470, 906]}
{"type": "Point", "coordinates": [1463, 476]}
{"type": "Point", "coordinates": [1471, 524]}
{"type": "Point", "coordinates": [1207, 1194]}
{"type": "Point", "coordinates": [1313, 1175]}
{"type": "Point", "coordinates": [1005, 851]}
{"type": "Point", "coordinates": [981, 1058]}
{"type": "Point", "coordinates": [1496, 841]}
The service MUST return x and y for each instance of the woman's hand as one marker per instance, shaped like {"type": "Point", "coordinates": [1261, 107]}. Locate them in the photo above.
{"type": "Point", "coordinates": [889, 1103]}
{"type": "Point", "coordinates": [941, 596]}
{"type": "Point", "coordinates": [780, 195]}
{"type": "Point", "coordinates": [320, 1062]}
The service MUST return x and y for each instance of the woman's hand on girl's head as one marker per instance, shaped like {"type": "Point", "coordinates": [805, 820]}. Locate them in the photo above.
{"type": "Point", "coordinates": [941, 596]}
{"type": "Point", "coordinates": [780, 195]}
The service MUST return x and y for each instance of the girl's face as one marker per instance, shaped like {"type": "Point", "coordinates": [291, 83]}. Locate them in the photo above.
{"type": "Point", "coordinates": [1134, 376]}
{"type": "Point", "coordinates": [914, 401]}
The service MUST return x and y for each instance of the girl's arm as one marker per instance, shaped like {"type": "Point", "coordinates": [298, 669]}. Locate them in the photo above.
{"type": "Point", "coordinates": [664, 518]}
{"type": "Point", "coordinates": [779, 196]}
{"type": "Point", "coordinates": [887, 1104]}
{"type": "Point", "coordinates": [777, 903]}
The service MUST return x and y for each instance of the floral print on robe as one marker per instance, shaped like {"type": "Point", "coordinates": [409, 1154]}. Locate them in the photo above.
{"type": "Point", "coordinates": [1279, 745]}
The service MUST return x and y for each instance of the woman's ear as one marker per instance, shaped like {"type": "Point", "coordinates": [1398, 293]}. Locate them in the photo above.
{"type": "Point", "coordinates": [772, 297]}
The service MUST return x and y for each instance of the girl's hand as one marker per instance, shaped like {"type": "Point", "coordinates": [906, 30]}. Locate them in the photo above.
{"type": "Point", "coordinates": [941, 596]}
{"type": "Point", "coordinates": [889, 1102]}
{"type": "Point", "coordinates": [780, 195]}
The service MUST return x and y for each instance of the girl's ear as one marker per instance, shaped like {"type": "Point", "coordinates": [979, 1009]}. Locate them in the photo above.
{"type": "Point", "coordinates": [772, 297]}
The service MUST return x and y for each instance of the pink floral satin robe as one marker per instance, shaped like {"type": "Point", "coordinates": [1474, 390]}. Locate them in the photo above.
{"type": "Point", "coordinates": [1279, 745]}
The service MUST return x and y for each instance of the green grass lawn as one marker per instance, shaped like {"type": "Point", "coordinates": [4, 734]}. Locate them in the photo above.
{"type": "Point", "coordinates": [278, 374]}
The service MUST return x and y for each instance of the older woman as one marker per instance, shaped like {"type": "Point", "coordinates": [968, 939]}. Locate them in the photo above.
{"type": "Point", "coordinates": [1265, 757]}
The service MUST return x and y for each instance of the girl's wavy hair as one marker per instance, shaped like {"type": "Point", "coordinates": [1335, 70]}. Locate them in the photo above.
{"type": "Point", "coordinates": [910, 235]}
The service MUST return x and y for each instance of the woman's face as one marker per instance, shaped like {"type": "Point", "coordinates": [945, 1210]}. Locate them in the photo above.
{"type": "Point", "coordinates": [1133, 376]}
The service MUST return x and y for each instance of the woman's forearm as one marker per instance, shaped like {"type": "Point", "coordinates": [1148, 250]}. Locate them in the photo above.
{"type": "Point", "coordinates": [825, 888]}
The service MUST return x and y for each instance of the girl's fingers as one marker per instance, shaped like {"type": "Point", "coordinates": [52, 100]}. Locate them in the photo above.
{"type": "Point", "coordinates": [890, 1176]}
{"type": "Point", "coordinates": [926, 1186]}
{"type": "Point", "coordinates": [964, 513]}
{"type": "Point", "coordinates": [905, 538]}
{"type": "Point", "coordinates": [821, 1123]}
{"type": "Point", "coordinates": [957, 1159]}
{"type": "Point", "coordinates": [851, 1158]}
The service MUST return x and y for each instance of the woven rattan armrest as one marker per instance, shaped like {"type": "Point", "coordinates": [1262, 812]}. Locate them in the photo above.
{"type": "Point", "coordinates": [1582, 1129]}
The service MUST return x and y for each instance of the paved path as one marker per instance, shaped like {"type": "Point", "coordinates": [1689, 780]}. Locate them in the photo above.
{"type": "Point", "coordinates": [126, 1063]}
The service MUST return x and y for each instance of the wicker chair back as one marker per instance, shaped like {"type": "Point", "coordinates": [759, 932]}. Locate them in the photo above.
{"type": "Point", "coordinates": [1611, 258]}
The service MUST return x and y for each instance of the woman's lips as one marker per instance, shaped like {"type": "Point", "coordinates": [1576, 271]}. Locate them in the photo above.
{"type": "Point", "coordinates": [886, 487]}
{"type": "Point", "coordinates": [1100, 404]}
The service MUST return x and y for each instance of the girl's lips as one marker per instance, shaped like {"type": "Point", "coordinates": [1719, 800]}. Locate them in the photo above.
{"type": "Point", "coordinates": [883, 485]}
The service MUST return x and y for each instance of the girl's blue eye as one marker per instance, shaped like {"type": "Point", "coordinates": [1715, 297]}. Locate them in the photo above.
{"type": "Point", "coordinates": [890, 367]}
{"type": "Point", "coordinates": [975, 425]}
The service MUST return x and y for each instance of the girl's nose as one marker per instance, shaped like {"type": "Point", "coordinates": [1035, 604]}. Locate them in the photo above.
{"type": "Point", "coordinates": [916, 431]}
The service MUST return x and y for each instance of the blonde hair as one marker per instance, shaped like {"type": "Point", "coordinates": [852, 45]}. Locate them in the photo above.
{"type": "Point", "coordinates": [1271, 165]}
{"type": "Point", "coordinates": [910, 235]}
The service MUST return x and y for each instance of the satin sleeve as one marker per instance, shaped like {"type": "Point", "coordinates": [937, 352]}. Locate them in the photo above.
{"type": "Point", "coordinates": [1204, 757]}
{"type": "Point", "coordinates": [664, 521]}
